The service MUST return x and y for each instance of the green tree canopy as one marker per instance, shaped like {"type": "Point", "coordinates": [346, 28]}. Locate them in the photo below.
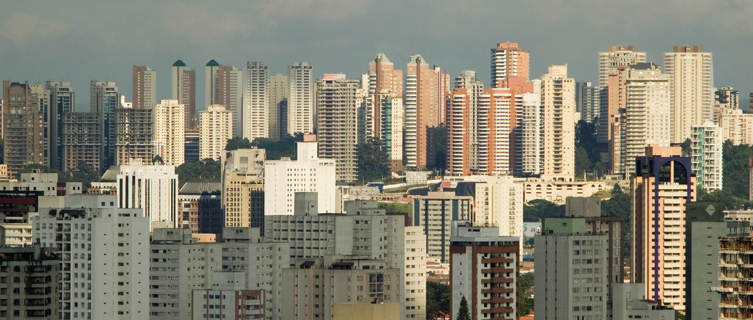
{"type": "Point", "coordinates": [207, 170]}
{"type": "Point", "coordinates": [463, 312]}
{"type": "Point", "coordinates": [373, 163]}
{"type": "Point", "coordinates": [536, 209]}
{"type": "Point", "coordinates": [437, 299]}
{"type": "Point", "coordinates": [236, 143]}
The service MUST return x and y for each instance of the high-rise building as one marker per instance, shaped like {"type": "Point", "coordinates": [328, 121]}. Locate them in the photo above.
{"type": "Point", "coordinates": [727, 97]}
{"type": "Point", "coordinates": [420, 110]}
{"type": "Point", "coordinates": [458, 133]}
{"type": "Point", "coordinates": [611, 62]}
{"type": "Point", "coordinates": [279, 91]}
{"type": "Point", "coordinates": [530, 124]}
{"type": "Point", "coordinates": [737, 127]}
{"type": "Point", "coordinates": [467, 80]}
{"type": "Point", "coordinates": [662, 187]}
{"type": "Point", "coordinates": [571, 268]}
{"type": "Point", "coordinates": [647, 112]}
{"type": "Point", "coordinates": [484, 271]}
{"type": "Point", "coordinates": [734, 257]}
{"type": "Point", "coordinates": [184, 90]}
{"type": "Point", "coordinates": [31, 288]}
{"type": "Point", "coordinates": [710, 265]}
{"type": "Point", "coordinates": [229, 93]}
{"type": "Point", "coordinates": [169, 133]}
{"type": "Point", "coordinates": [151, 188]}
{"type": "Point", "coordinates": [706, 145]}
{"type": "Point", "coordinates": [192, 146]}
{"type": "Point", "coordinates": [384, 81]}
{"type": "Point", "coordinates": [337, 120]}
{"type": "Point", "coordinates": [62, 100]}
{"type": "Point", "coordinates": [434, 213]}
{"type": "Point", "coordinates": [25, 125]}
{"type": "Point", "coordinates": [393, 123]}
{"type": "Point", "coordinates": [301, 106]}
{"type": "Point", "coordinates": [616, 57]}
{"type": "Point", "coordinates": [558, 112]}
{"type": "Point", "coordinates": [444, 89]}
{"type": "Point", "coordinates": [691, 74]}
{"type": "Point", "coordinates": [612, 98]}
{"type": "Point", "coordinates": [587, 101]}
{"type": "Point", "coordinates": [215, 129]}
{"type": "Point", "coordinates": [243, 188]}
{"type": "Point", "coordinates": [210, 82]}
{"type": "Point", "coordinates": [308, 173]}
{"type": "Point", "coordinates": [415, 273]}
{"type": "Point", "coordinates": [81, 141]}
{"type": "Point", "coordinates": [144, 87]}
{"type": "Point", "coordinates": [134, 134]}
{"type": "Point", "coordinates": [256, 101]}
{"type": "Point", "coordinates": [105, 99]}
{"type": "Point", "coordinates": [508, 60]}
{"type": "Point", "coordinates": [105, 270]}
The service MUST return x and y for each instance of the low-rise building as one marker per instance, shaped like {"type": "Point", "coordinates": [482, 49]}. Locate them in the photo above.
{"type": "Point", "coordinates": [558, 189]}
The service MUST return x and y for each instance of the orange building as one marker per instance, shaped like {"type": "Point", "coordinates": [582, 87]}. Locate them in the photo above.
{"type": "Point", "coordinates": [420, 101]}
{"type": "Point", "coordinates": [384, 81]}
{"type": "Point", "coordinates": [508, 60]}
{"type": "Point", "coordinates": [458, 133]}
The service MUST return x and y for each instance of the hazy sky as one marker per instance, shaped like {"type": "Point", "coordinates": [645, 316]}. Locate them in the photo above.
{"type": "Point", "coordinates": [82, 40]}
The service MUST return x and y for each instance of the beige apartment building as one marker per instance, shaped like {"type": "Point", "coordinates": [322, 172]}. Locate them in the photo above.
{"type": "Point", "coordinates": [169, 132]}
{"type": "Point", "coordinates": [558, 139]}
{"type": "Point", "coordinates": [215, 129]}
{"type": "Point", "coordinates": [144, 81]}
{"type": "Point", "coordinates": [691, 74]}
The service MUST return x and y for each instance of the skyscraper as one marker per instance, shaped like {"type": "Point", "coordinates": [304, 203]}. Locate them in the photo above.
{"type": "Point", "coordinates": [210, 83]}
{"type": "Point", "coordinates": [169, 133]}
{"type": "Point", "coordinates": [508, 60]}
{"type": "Point", "coordinates": [706, 156]}
{"type": "Point", "coordinates": [337, 119]}
{"type": "Point", "coordinates": [612, 98]}
{"type": "Point", "coordinates": [614, 58]}
{"type": "Point", "coordinates": [228, 92]}
{"type": "Point", "coordinates": [587, 101]}
{"type": "Point", "coordinates": [25, 125]}
{"type": "Point", "coordinates": [104, 100]}
{"type": "Point", "coordinates": [610, 62]}
{"type": "Point", "coordinates": [301, 107]}
{"type": "Point", "coordinates": [384, 80]}
{"type": "Point", "coordinates": [144, 87]}
{"type": "Point", "coordinates": [458, 133]}
{"type": "Point", "coordinates": [647, 114]}
{"type": "Point", "coordinates": [558, 104]}
{"type": "Point", "coordinates": [81, 141]}
{"type": "Point", "coordinates": [216, 128]}
{"type": "Point", "coordinates": [134, 134]}
{"type": "Point", "coordinates": [691, 74]}
{"type": "Point", "coordinates": [420, 110]}
{"type": "Point", "coordinates": [444, 89]}
{"type": "Point", "coordinates": [279, 91]}
{"type": "Point", "coordinates": [62, 100]}
{"type": "Point", "coordinates": [661, 189]}
{"type": "Point", "coordinates": [256, 101]}
{"type": "Point", "coordinates": [467, 79]}
{"type": "Point", "coordinates": [184, 90]}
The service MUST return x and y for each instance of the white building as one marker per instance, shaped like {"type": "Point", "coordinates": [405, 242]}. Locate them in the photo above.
{"type": "Point", "coordinates": [242, 261]}
{"type": "Point", "coordinates": [301, 106]}
{"type": "Point", "coordinates": [629, 303]}
{"type": "Point", "coordinates": [531, 131]}
{"type": "Point", "coordinates": [484, 269]}
{"type": "Point", "coordinates": [227, 304]}
{"type": "Point", "coordinates": [154, 189]}
{"type": "Point", "coordinates": [499, 202]}
{"type": "Point", "coordinates": [706, 155]}
{"type": "Point", "coordinates": [256, 101]}
{"type": "Point", "coordinates": [169, 131]}
{"type": "Point", "coordinates": [571, 269]}
{"type": "Point", "coordinates": [365, 235]}
{"type": "Point", "coordinates": [215, 129]}
{"type": "Point", "coordinates": [283, 178]}
{"type": "Point", "coordinates": [558, 122]}
{"type": "Point", "coordinates": [648, 114]}
{"type": "Point", "coordinates": [691, 74]}
{"type": "Point", "coordinates": [105, 267]}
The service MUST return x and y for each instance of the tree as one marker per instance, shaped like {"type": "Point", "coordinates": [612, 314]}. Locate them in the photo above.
{"type": "Point", "coordinates": [83, 173]}
{"type": "Point", "coordinates": [373, 163]}
{"type": "Point", "coordinates": [207, 170]}
{"type": "Point", "coordinates": [236, 143]}
{"type": "Point", "coordinates": [588, 150]}
{"type": "Point", "coordinates": [525, 302]}
{"type": "Point", "coordinates": [735, 168]}
{"type": "Point", "coordinates": [536, 209]}
{"type": "Point", "coordinates": [582, 162]}
{"type": "Point", "coordinates": [685, 145]}
{"type": "Point", "coordinates": [277, 148]}
{"type": "Point", "coordinates": [437, 299]}
{"type": "Point", "coordinates": [463, 312]}
{"type": "Point", "coordinates": [436, 149]}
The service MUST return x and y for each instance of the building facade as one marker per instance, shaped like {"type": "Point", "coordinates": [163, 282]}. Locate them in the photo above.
{"type": "Point", "coordinates": [151, 188]}
{"type": "Point", "coordinates": [301, 108]}
{"type": "Point", "coordinates": [558, 119]}
{"type": "Point", "coordinates": [215, 129]}
{"type": "Point", "coordinates": [25, 136]}
{"type": "Point", "coordinates": [508, 60]}
{"type": "Point", "coordinates": [420, 99]}
{"type": "Point", "coordinates": [434, 213]}
{"type": "Point", "coordinates": [256, 101]}
{"type": "Point", "coordinates": [279, 91]}
{"type": "Point", "coordinates": [169, 134]}
{"type": "Point", "coordinates": [144, 84]}
{"type": "Point", "coordinates": [706, 145]}
{"type": "Point", "coordinates": [337, 124]}
{"type": "Point", "coordinates": [691, 74]}
{"type": "Point", "coordinates": [183, 89]}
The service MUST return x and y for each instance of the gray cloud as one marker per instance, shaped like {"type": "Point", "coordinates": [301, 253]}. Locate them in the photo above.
{"type": "Point", "coordinates": [90, 39]}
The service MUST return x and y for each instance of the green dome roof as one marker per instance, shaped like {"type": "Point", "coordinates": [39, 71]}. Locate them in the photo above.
{"type": "Point", "coordinates": [212, 63]}
{"type": "Point", "coordinates": [179, 63]}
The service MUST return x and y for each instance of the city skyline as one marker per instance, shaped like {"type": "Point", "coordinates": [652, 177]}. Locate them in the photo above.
{"type": "Point", "coordinates": [304, 32]}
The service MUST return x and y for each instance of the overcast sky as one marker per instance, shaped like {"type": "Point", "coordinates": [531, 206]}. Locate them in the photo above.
{"type": "Point", "coordinates": [83, 40]}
